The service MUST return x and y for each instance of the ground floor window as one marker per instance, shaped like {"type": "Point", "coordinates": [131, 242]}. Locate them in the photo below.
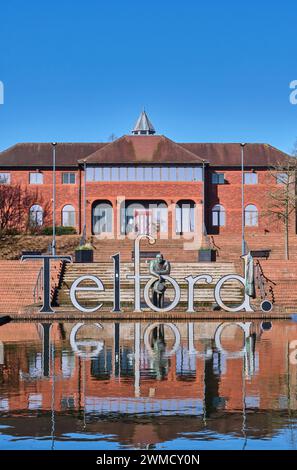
{"type": "Point", "coordinates": [251, 216]}
{"type": "Point", "coordinates": [185, 217]}
{"type": "Point", "coordinates": [218, 216]}
{"type": "Point", "coordinates": [68, 216]}
{"type": "Point", "coordinates": [102, 217]}
{"type": "Point", "coordinates": [36, 215]}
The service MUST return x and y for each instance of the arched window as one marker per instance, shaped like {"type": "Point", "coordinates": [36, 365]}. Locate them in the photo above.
{"type": "Point", "coordinates": [102, 217]}
{"type": "Point", "coordinates": [184, 217]}
{"type": "Point", "coordinates": [36, 215]}
{"type": "Point", "coordinates": [251, 216]}
{"type": "Point", "coordinates": [218, 216]}
{"type": "Point", "coordinates": [68, 216]}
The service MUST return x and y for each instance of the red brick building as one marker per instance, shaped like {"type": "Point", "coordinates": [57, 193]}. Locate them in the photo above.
{"type": "Point", "coordinates": [147, 183]}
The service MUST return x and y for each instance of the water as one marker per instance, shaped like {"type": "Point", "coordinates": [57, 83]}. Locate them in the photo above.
{"type": "Point", "coordinates": [199, 385]}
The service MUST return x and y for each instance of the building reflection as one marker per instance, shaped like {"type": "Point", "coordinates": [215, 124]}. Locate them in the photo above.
{"type": "Point", "coordinates": [184, 376]}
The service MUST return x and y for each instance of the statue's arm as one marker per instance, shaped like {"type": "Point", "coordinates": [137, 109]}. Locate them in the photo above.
{"type": "Point", "coordinates": [152, 270]}
{"type": "Point", "coordinates": [167, 268]}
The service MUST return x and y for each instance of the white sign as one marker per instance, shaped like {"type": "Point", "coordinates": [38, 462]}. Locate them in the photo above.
{"type": "Point", "coordinates": [150, 280]}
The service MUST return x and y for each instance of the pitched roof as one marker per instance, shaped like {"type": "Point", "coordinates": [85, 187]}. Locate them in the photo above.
{"type": "Point", "coordinates": [255, 155]}
{"type": "Point", "coordinates": [138, 149]}
{"type": "Point", "coordinates": [40, 154]}
{"type": "Point", "coordinates": [143, 149]}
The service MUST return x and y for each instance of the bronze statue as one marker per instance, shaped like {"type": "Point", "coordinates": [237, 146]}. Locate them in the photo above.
{"type": "Point", "coordinates": [159, 267]}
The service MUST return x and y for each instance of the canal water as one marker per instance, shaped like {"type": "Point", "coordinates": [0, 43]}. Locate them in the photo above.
{"type": "Point", "coordinates": [180, 385]}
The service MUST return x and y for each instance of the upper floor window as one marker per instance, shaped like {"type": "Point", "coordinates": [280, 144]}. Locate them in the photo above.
{"type": "Point", "coordinates": [250, 178]}
{"type": "Point", "coordinates": [36, 178]}
{"type": "Point", "coordinates": [282, 178]}
{"type": "Point", "coordinates": [4, 178]}
{"type": "Point", "coordinates": [218, 178]}
{"type": "Point", "coordinates": [144, 173]}
{"type": "Point", "coordinates": [68, 178]}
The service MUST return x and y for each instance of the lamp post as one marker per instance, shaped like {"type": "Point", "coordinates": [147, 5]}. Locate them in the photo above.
{"type": "Point", "coordinates": [54, 199]}
{"type": "Point", "coordinates": [242, 200]}
{"type": "Point", "coordinates": [203, 202]}
{"type": "Point", "coordinates": [84, 229]}
{"type": "Point", "coordinates": [85, 200]}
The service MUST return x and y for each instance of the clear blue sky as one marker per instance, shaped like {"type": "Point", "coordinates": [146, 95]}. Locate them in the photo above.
{"type": "Point", "coordinates": [205, 71]}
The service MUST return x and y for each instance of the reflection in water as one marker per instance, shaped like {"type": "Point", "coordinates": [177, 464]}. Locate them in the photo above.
{"type": "Point", "coordinates": [138, 385]}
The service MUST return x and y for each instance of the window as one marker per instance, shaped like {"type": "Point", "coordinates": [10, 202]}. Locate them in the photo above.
{"type": "Point", "coordinates": [143, 173]}
{"type": "Point", "coordinates": [68, 216]}
{"type": "Point", "coordinates": [281, 178]}
{"type": "Point", "coordinates": [131, 173]}
{"type": "Point", "coordinates": [36, 178]}
{"type": "Point", "coordinates": [218, 178]}
{"type": "Point", "coordinates": [102, 218]}
{"type": "Point", "coordinates": [251, 216]}
{"type": "Point", "coordinates": [4, 178]}
{"type": "Point", "coordinates": [218, 216]}
{"type": "Point", "coordinates": [250, 178]}
{"type": "Point", "coordinates": [36, 215]}
{"type": "Point", "coordinates": [68, 178]}
{"type": "Point", "coordinates": [185, 217]}
{"type": "Point", "coordinates": [90, 174]}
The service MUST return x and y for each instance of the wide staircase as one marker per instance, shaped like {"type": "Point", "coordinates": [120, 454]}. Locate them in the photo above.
{"type": "Point", "coordinates": [203, 292]}
{"type": "Point", "coordinates": [174, 250]}
{"type": "Point", "coordinates": [21, 284]}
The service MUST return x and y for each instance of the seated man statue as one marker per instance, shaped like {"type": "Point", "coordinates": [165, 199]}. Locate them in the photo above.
{"type": "Point", "coordinates": [158, 267]}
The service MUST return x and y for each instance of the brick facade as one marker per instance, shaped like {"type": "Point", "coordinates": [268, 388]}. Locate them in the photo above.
{"type": "Point", "coordinates": [152, 151]}
{"type": "Point", "coordinates": [228, 195]}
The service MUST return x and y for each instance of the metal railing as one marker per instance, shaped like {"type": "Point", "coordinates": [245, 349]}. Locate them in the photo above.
{"type": "Point", "coordinates": [38, 288]}
{"type": "Point", "coordinates": [263, 284]}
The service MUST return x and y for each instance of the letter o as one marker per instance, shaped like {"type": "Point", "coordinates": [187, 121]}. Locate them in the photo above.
{"type": "Point", "coordinates": [176, 297]}
{"type": "Point", "coordinates": [176, 335]}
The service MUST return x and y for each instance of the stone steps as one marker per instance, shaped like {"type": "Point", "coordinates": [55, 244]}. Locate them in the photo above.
{"type": "Point", "coordinates": [203, 293]}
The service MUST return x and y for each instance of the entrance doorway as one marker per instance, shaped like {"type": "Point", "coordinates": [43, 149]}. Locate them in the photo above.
{"type": "Point", "coordinates": [144, 217]}
{"type": "Point", "coordinates": [143, 221]}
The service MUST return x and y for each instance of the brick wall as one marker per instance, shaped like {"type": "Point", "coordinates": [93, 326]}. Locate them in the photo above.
{"type": "Point", "coordinates": [228, 195]}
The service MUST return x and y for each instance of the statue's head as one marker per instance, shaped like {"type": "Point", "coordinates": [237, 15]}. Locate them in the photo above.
{"type": "Point", "coordinates": [159, 257]}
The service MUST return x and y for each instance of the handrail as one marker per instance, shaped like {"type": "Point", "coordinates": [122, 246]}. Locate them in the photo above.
{"type": "Point", "coordinates": [262, 281]}
{"type": "Point", "coordinates": [38, 288]}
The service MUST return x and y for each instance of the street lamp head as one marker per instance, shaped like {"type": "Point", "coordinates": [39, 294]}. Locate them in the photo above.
{"type": "Point", "coordinates": [54, 144]}
{"type": "Point", "coordinates": [243, 144]}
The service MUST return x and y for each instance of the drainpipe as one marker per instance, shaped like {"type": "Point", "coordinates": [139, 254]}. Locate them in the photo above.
{"type": "Point", "coordinates": [203, 199]}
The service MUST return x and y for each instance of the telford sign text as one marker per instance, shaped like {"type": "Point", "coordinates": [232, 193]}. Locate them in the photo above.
{"type": "Point", "coordinates": [139, 279]}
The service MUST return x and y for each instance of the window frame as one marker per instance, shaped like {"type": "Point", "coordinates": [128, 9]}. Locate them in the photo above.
{"type": "Point", "coordinates": [220, 215]}
{"type": "Point", "coordinates": [8, 175]}
{"type": "Point", "coordinates": [34, 174]}
{"type": "Point", "coordinates": [249, 173]}
{"type": "Point", "coordinates": [247, 213]}
{"type": "Point", "coordinates": [68, 174]}
{"type": "Point", "coordinates": [218, 178]}
{"type": "Point", "coordinates": [64, 212]}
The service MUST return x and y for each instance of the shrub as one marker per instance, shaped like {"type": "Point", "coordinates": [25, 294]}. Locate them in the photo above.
{"type": "Point", "coordinates": [87, 246]}
{"type": "Point", "coordinates": [60, 230]}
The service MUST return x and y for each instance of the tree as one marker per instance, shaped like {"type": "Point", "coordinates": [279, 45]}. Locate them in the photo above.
{"type": "Point", "coordinates": [15, 204]}
{"type": "Point", "coordinates": [282, 199]}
